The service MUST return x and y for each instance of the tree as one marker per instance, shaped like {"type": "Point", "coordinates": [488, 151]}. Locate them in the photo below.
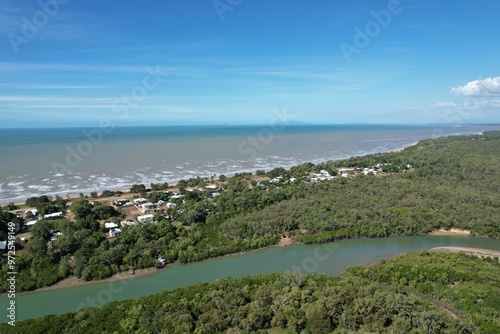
{"type": "Point", "coordinates": [81, 208]}
{"type": "Point", "coordinates": [11, 206]}
{"type": "Point", "coordinates": [138, 188]}
{"type": "Point", "coordinates": [37, 247]}
{"type": "Point", "coordinates": [104, 211]}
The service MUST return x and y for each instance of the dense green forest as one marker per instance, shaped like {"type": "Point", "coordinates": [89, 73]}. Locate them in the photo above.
{"type": "Point", "coordinates": [452, 182]}
{"type": "Point", "coordinates": [424, 292]}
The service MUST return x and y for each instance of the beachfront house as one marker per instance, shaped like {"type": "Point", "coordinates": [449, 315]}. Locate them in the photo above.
{"type": "Point", "coordinates": [146, 219]}
{"type": "Point", "coordinates": [115, 232]}
{"type": "Point", "coordinates": [140, 200]}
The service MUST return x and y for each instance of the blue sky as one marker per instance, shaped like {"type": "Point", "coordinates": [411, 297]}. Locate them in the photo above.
{"type": "Point", "coordinates": [79, 63]}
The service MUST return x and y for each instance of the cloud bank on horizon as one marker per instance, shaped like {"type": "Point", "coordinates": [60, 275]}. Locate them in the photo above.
{"type": "Point", "coordinates": [73, 63]}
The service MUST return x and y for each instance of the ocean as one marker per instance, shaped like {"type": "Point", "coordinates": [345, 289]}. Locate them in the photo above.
{"type": "Point", "coordinates": [69, 161]}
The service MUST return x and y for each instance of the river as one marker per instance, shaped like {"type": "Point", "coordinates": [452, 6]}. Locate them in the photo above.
{"type": "Point", "coordinates": [331, 258]}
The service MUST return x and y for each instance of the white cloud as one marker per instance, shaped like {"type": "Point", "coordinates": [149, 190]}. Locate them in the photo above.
{"type": "Point", "coordinates": [444, 105]}
{"type": "Point", "coordinates": [488, 86]}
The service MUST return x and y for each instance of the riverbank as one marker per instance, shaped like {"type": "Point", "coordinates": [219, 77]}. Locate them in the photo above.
{"type": "Point", "coordinates": [451, 232]}
{"type": "Point", "coordinates": [139, 273]}
{"type": "Point", "coordinates": [72, 281]}
{"type": "Point", "coordinates": [479, 252]}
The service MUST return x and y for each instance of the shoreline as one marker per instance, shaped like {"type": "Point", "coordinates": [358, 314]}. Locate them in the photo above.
{"type": "Point", "coordinates": [405, 147]}
{"type": "Point", "coordinates": [126, 192]}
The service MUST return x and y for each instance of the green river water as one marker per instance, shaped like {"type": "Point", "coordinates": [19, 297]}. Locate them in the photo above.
{"type": "Point", "coordinates": [330, 258]}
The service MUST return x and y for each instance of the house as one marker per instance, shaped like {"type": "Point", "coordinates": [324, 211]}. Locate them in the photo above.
{"type": "Point", "coordinates": [121, 201]}
{"type": "Point", "coordinates": [147, 207]}
{"type": "Point", "coordinates": [124, 223]}
{"type": "Point", "coordinates": [146, 219]}
{"type": "Point", "coordinates": [55, 235]}
{"type": "Point", "coordinates": [110, 225]}
{"type": "Point", "coordinates": [33, 212]}
{"type": "Point", "coordinates": [215, 194]}
{"type": "Point", "coordinates": [126, 204]}
{"type": "Point", "coordinates": [3, 245]}
{"type": "Point", "coordinates": [346, 170]}
{"type": "Point", "coordinates": [345, 174]}
{"type": "Point", "coordinates": [140, 200]}
{"type": "Point", "coordinates": [53, 215]}
{"type": "Point", "coordinates": [212, 186]}
{"type": "Point", "coordinates": [16, 213]}
{"type": "Point", "coordinates": [30, 223]}
{"type": "Point", "coordinates": [171, 205]}
{"type": "Point", "coordinates": [115, 232]}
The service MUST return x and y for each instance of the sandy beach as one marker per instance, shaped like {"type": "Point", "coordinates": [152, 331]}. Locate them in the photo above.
{"type": "Point", "coordinates": [403, 148]}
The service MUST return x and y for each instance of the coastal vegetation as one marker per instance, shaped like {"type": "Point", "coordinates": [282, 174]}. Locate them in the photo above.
{"type": "Point", "coordinates": [450, 182]}
{"type": "Point", "coordinates": [424, 292]}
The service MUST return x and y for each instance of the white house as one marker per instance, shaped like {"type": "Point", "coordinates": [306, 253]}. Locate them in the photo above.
{"type": "Point", "coordinates": [119, 201]}
{"type": "Point", "coordinates": [147, 207]}
{"type": "Point", "coordinates": [115, 232]}
{"type": "Point", "coordinates": [171, 205]}
{"type": "Point", "coordinates": [34, 212]}
{"type": "Point", "coordinates": [146, 219]}
{"type": "Point", "coordinates": [3, 245]}
{"type": "Point", "coordinates": [346, 170]}
{"type": "Point", "coordinates": [55, 235]}
{"type": "Point", "coordinates": [140, 200]}
{"type": "Point", "coordinates": [30, 223]}
{"type": "Point", "coordinates": [53, 215]}
{"type": "Point", "coordinates": [124, 223]}
{"type": "Point", "coordinates": [110, 225]}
